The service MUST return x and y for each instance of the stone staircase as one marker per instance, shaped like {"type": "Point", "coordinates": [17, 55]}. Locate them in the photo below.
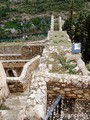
{"type": "Point", "coordinates": [13, 106]}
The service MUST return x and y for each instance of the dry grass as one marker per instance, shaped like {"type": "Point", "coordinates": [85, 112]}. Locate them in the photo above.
{"type": "Point", "coordinates": [60, 39]}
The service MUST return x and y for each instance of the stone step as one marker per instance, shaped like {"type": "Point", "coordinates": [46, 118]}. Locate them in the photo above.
{"type": "Point", "coordinates": [15, 104]}
{"type": "Point", "coordinates": [16, 101]}
{"type": "Point", "coordinates": [10, 114]}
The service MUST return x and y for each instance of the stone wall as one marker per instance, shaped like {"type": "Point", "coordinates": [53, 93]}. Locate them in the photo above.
{"type": "Point", "coordinates": [31, 51]}
{"type": "Point", "coordinates": [19, 84]}
{"type": "Point", "coordinates": [10, 49]}
{"type": "Point", "coordinates": [10, 56]}
{"type": "Point", "coordinates": [25, 52]}
{"type": "Point", "coordinates": [52, 23]}
{"type": "Point", "coordinates": [60, 23]}
{"type": "Point", "coordinates": [15, 66]}
{"type": "Point", "coordinates": [4, 91]}
{"type": "Point", "coordinates": [14, 63]}
{"type": "Point", "coordinates": [37, 100]}
{"type": "Point", "coordinates": [72, 86]}
{"type": "Point", "coordinates": [45, 84]}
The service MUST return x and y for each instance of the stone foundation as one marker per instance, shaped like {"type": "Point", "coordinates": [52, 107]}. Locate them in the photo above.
{"type": "Point", "coordinates": [15, 66]}
{"type": "Point", "coordinates": [72, 86]}
{"type": "Point", "coordinates": [23, 53]}
{"type": "Point", "coordinates": [45, 84]}
{"type": "Point", "coordinates": [10, 50]}
{"type": "Point", "coordinates": [19, 84]}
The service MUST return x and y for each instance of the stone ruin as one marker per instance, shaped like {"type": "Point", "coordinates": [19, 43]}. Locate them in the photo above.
{"type": "Point", "coordinates": [38, 85]}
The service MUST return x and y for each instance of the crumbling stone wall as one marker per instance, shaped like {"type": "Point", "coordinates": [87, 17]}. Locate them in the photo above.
{"type": "Point", "coordinates": [10, 57]}
{"type": "Point", "coordinates": [19, 84]}
{"type": "Point", "coordinates": [72, 86]}
{"type": "Point", "coordinates": [23, 53]}
{"type": "Point", "coordinates": [31, 51]}
{"type": "Point", "coordinates": [14, 65]}
{"type": "Point", "coordinates": [44, 83]}
{"type": "Point", "coordinates": [13, 72]}
{"type": "Point", "coordinates": [10, 49]}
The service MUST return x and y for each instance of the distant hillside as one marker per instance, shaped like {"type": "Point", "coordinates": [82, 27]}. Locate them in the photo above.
{"type": "Point", "coordinates": [18, 8]}
{"type": "Point", "coordinates": [19, 18]}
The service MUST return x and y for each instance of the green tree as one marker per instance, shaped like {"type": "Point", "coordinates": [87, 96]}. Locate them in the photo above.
{"type": "Point", "coordinates": [82, 34]}
{"type": "Point", "coordinates": [69, 22]}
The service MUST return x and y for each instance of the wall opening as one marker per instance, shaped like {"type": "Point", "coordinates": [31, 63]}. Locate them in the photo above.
{"type": "Point", "coordinates": [10, 73]}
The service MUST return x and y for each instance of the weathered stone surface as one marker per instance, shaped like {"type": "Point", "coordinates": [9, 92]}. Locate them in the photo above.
{"type": "Point", "coordinates": [21, 83]}
{"type": "Point", "coordinates": [20, 52]}
{"type": "Point", "coordinates": [79, 61]}
{"type": "Point", "coordinates": [70, 86]}
{"type": "Point", "coordinates": [67, 89]}
{"type": "Point", "coordinates": [4, 91]}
